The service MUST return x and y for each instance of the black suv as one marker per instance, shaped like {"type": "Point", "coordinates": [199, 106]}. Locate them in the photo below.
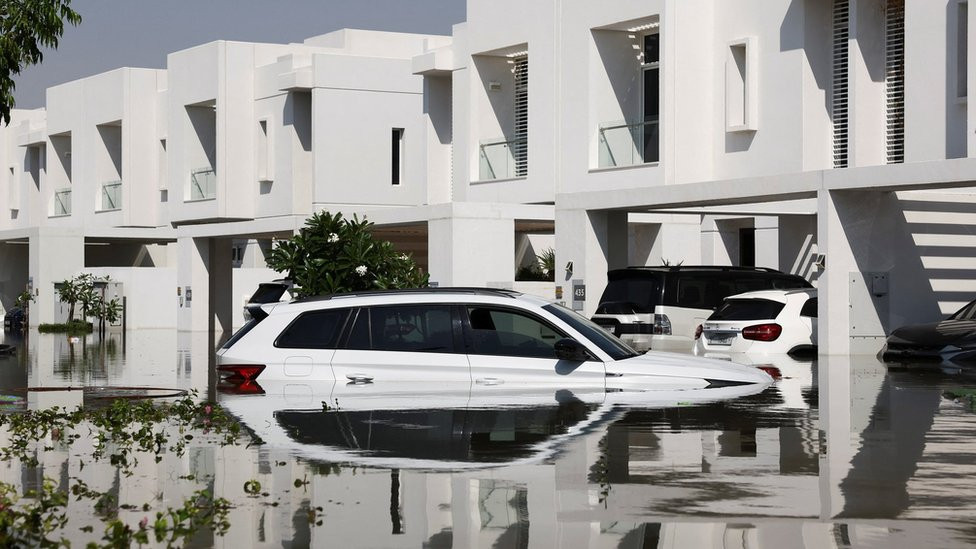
{"type": "Point", "coordinates": [660, 307]}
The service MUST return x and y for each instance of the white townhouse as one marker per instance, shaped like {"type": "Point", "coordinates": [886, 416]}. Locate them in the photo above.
{"type": "Point", "coordinates": [825, 138]}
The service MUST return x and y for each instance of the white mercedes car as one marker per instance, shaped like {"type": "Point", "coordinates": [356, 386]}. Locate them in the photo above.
{"type": "Point", "coordinates": [766, 322]}
{"type": "Point", "coordinates": [448, 336]}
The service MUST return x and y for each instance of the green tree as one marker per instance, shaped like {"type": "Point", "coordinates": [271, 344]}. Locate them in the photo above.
{"type": "Point", "coordinates": [331, 254]}
{"type": "Point", "coordinates": [26, 26]}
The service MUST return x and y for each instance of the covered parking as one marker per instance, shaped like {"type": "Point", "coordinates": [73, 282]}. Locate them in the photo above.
{"type": "Point", "coordinates": [897, 243]}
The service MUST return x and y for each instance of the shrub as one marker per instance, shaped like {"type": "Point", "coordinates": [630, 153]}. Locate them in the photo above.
{"type": "Point", "coordinates": [331, 254]}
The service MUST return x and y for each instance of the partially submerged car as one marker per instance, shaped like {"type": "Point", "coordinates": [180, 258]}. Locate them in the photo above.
{"type": "Point", "coordinates": [14, 318]}
{"type": "Point", "coordinates": [451, 335]}
{"type": "Point", "coordinates": [949, 340]}
{"type": "Point", "coordinates": [769, 322]}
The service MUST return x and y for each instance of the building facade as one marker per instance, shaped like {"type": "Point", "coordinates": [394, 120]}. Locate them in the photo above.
{"type": "Point", "coordinates": [830, 139]}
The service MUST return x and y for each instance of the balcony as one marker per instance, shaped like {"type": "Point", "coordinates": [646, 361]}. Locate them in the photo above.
{"type": "Point", "coordinates": [628, 144]}
{"type": "Point", "coordinates": [111, 196]}
{"type": "Point", "coordinates": [203, 184]}
{"type": "Point", "coordinates": [501, 159]}
{"type": "Point", "coordinates": [62, 203]}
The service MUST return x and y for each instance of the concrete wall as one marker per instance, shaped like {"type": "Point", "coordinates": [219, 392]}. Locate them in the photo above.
{"type": "Point", "coordinates": [150, 295]}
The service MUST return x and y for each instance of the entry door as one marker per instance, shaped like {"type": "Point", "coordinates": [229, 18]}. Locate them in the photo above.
{"type": "Point", "coordinates": [512, 347]}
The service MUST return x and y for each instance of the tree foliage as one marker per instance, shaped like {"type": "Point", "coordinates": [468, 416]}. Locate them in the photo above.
{"type": "Point", "coordinates": [26, 26]}
{"type": "Point", "coordinates": [331, 254]}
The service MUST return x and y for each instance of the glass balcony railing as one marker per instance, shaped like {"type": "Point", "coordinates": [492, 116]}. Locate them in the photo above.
{"type": "Point", "coordinates": [629, 144]}
{"type": "Point", "coordinates": [62, 202]}
{"type": "Point", "coordinates": [203, 184]}
{"type": "Point", "coordinates": [111, 195]}
{"type": "Point", "coordinates": [501, 159]}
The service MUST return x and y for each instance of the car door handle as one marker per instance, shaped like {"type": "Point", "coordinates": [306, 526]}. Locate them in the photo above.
{"type": "Point", "coordinates": [489, 381]}
{"type": "Point", "coordinates": [359, 379]}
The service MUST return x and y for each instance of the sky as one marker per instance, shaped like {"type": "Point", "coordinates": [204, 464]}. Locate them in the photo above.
{"type": "Point", "coordinates": [140, 33]}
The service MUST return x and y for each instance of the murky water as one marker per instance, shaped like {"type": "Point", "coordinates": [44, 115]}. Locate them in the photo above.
{"type": "Point", "coordinates": [839, 453]}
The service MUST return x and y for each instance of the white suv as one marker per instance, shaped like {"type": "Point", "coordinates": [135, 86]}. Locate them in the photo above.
{"type": "Point", "coordinates": [767, 322]}
{"type": "Point", "coordinates": [452, 335]}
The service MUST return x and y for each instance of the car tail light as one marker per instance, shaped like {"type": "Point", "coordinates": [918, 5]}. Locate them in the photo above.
{"type": "Point", "coordinates": [662, 325]}
{"type": "Point", "coordinates": [240, 373]}
{"type": "Point", "coordinates": [773, 371]}
{"type": "Point", "coordinates": [698, 332]}
{"type": "Point", "coordinates": [762, 332]}
{"type": "Point", "coordinates": [242, 388]}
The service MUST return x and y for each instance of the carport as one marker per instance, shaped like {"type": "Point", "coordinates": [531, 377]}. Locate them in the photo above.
{"type": "Point", "coordinates": [896, 241]}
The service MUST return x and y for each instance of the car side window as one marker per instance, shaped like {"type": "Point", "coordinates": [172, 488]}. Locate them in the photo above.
{"type": "Point", "coordinates": [809, 308]}
{"type": "Point", "coordinates": [697, 292]}
{"type": "Point", "coordinates": [415, 328]}
{"type": "Point", "coordinates": [313, 330]}
{"type": "Point", "coordinates": [504, 332]}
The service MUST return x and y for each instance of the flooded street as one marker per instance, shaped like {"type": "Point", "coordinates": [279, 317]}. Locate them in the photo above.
{"type": "Point", "coordinates": [840, 453]}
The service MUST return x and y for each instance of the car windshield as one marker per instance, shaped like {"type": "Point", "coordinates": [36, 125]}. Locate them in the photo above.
{"type": "Point", "coordinates": [618, 350]}
{"type": "Point", "coordinates": [747, 309]}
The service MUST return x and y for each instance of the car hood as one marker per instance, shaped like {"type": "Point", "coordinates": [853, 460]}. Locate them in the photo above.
{"type": "Point", "coordinates": [680, 369]}
{"type": "Point", "coordinates": [937, 334]}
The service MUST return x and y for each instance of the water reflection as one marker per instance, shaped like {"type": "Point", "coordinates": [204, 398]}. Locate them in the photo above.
{"type": "Point", "coordinates": [837, 453]}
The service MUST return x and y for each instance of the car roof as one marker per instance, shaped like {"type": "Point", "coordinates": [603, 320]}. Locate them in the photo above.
{"type": "Point", "coordinates": [694, 268]}
{"type": "Point", "coordinates": [776, 295]}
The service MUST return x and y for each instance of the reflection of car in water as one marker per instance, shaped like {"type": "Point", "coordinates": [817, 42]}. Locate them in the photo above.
{"type": "Point", "coordinates": [490, 337]}
{"type": "Point", "coordinates": [417, 424]}
{"type": "Point", "coordinates": [951, 340]}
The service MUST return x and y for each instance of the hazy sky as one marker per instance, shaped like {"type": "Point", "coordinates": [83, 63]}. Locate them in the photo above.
{"type": "Point", "coordinates": [139, 33]}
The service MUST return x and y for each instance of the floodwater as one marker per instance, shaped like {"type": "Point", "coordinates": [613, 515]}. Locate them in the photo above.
{"type": "Point", "coordinates": [837, 453]}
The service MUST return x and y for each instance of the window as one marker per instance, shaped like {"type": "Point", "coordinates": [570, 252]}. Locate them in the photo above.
{"type": "Point", "coordinates": [313, 330]}
{"type": "Point", "coordinates": [520, 145]}
{"type": "Point", "coordinates": [505, 332]}
{"type": "Point", "coordinates": [740, 86]}
{"type": "Point", "coordinates": [265, 152]}
{"type": "Point", "coordinates": [650, 76]}
{"type": "Point", "coordinates": [413, 328]}
{"type": "Point", "coordinates": [962, 50]}
{"type": "Point", "coordinates": [396, 156]}
{"type": "Point", "coordinates": [809, 308]}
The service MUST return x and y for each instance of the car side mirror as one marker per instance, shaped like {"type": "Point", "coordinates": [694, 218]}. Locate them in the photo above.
{"type": "Point", "coordinates": [570, 349]}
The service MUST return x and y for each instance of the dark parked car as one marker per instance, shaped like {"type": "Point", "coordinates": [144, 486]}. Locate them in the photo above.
{"type": "Point", "coordinates": [14, 319]}
{"type": "Point", "coordinates": [952, 340]}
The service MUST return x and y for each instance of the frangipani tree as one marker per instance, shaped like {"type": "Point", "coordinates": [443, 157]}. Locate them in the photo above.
{"type": "Point", "coordinates": [332, 254]}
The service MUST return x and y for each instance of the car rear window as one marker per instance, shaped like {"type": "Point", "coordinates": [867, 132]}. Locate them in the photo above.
{"type": "Point", "coordinates": [629, 293]}
{"type": "Point", "coordinates": [747, 309]}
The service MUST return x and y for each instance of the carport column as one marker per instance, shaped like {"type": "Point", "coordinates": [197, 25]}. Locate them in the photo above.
{"type": "Point", "coordinates": [588, 244]}
{"type": "Point", "coordinates": [204, 284]}
{"type": "Point", "coordinates": [471, 250]}
{"type": "Point", "coordinates": [55, 255]}
{"type": "Point", "coordinates": [767, 241]}
{"type": "Point", "coordinates": [833, 288]}
{"type": "Point", "coordinates": [714, 250]}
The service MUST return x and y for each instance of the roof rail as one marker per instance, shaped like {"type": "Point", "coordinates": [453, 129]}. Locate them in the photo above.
{"type": "Point", "coordinates": [700, 268]}
{"type": "Point", "coordinates": [499, 292]}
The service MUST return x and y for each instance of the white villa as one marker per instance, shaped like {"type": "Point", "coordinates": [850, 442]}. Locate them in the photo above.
{"type": "Point", "coordinates": [832, 139]}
